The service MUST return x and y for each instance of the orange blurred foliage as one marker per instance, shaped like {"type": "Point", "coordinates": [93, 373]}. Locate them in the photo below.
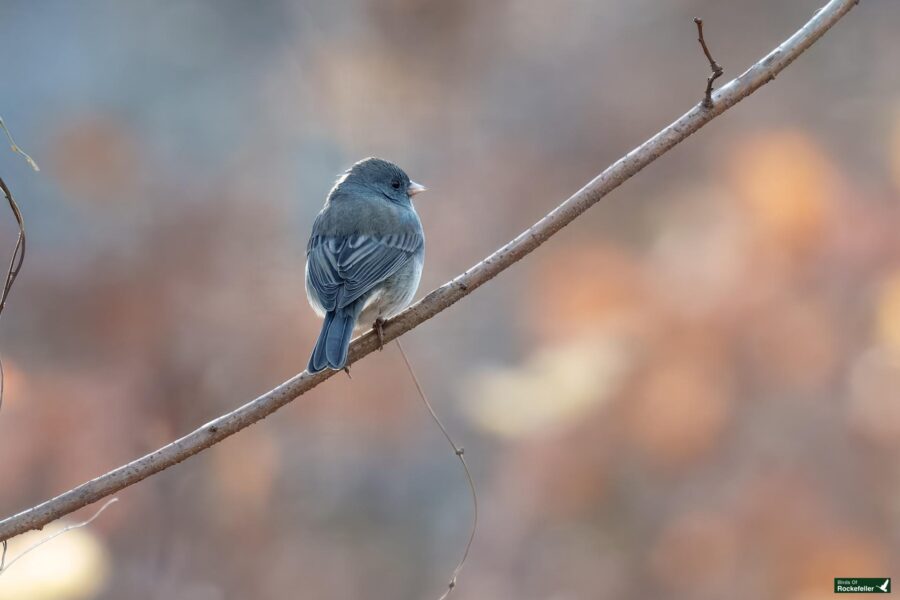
{"type": "Point", "coordinates": [592, 285]}
{"type": "Point", "coordinates": [887, 313]}
{"type": "Point", "coordinates": [681, 403]}
{"type": "Point", "coordinates": [787, 185]}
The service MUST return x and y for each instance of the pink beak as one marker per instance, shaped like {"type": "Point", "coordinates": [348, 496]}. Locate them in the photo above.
{"type": "Point", "coordinates": [415, 188]}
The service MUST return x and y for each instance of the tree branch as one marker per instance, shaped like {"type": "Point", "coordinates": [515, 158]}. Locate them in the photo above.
{"type": "Point", "coordinates": [218, 429]}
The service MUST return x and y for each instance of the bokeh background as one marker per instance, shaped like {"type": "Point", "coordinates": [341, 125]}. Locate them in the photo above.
{"type": "Point", "coordinates": [691, 392]}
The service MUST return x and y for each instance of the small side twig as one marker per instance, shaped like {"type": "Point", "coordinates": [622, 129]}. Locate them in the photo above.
{"type": "Point", "coordinates": [18, 255]}
{"type": "Point", "coordinates": [15, 147]}
{"type": "Point", "coordinates": [4, 567]}
{"type": "Point", "coordinates": [715, 67]}
{"type": "Point", "coordinates": [460, 454]}
{"type": "Point", "coordinates": [15, 263]}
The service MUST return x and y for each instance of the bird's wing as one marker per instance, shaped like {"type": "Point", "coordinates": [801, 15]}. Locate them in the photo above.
{"type": "Point", "coordinates": [344, 268]}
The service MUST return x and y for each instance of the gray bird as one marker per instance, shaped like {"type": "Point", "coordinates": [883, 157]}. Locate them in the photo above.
{"type": "Point", "coordinates": [364, 257]}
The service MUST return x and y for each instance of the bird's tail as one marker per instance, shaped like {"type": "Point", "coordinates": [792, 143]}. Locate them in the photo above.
{"type": "Point", "coordinates": [334, 339]}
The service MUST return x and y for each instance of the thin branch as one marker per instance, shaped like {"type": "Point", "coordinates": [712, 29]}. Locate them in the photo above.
{"type": "Point", "coordinates": [5, 567]}
{"type": "Point", "coordinates": [15, 147]}
{"type": "Point", "coordinates": [460, 454]}
{"type": "Point", "coordinates": [18, 255]}
{"type": "Point", "coordinates": [715, 67]}
{"type": "Point", "coordinates": [15, 263]}
{"type": "Point", "coordinates": [448, 294]}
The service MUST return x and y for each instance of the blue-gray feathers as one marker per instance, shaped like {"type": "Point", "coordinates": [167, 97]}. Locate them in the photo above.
{"type": "Point", "coordinates": [364, 256]}
{"type": "Point", "coordinates": [334, 339]}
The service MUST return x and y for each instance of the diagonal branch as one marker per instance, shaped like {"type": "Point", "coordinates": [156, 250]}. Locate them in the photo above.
{"type": "Point", "coordinates": [438, 300]}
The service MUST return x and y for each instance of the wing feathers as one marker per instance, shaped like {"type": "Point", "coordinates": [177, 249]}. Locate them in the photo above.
{"type": "Point", "coordinates": [343, 269]}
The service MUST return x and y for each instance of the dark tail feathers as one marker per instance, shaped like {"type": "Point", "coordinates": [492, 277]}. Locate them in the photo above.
{"type": "Point", "coordinates": [334, 339]}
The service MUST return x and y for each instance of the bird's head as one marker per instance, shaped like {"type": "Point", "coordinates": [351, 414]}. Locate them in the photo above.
{"type": "Point", "coordinates": [380, 176]}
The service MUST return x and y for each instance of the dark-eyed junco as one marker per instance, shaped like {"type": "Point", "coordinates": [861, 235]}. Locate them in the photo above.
{"type": "Point", "coordinates": [364, 257]}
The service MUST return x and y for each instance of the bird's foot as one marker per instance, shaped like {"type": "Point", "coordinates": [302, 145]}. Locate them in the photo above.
{"type": "Point", "coordinates": [379, 331]}
{"type": "Point", "coordinates": [347, 371]}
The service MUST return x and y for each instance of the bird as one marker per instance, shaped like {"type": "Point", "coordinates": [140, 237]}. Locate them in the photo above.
{"type": "Point", "coordinates": [364, 258]}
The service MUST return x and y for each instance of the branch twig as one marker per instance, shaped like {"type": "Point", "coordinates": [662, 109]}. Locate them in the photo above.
{"type": "Point", "coordinates": [440, 299]}
{"type": "Point", "coordinates": [715, 67]}
{"type": "Point", "coordinates": [15, 147]}
{"type": "Point", "coordinates": [5, 567]}
{"type": "Point", "coordinates": [460, 454]}
{"type": "Point", "coordinates": [15, 263]}
{"type": "Point", "coordinates": [18, 255]}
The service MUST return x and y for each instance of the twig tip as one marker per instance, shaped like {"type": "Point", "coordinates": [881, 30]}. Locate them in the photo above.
{"type": "Point", "coordinates": [715, 67]}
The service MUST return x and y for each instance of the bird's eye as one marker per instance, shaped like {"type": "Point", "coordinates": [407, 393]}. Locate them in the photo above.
{"type": "Point", "coordinates": [395, 183]}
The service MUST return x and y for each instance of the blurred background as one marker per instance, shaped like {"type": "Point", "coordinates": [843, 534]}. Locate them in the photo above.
{"type": "Point", "coordinates": [691, 392]}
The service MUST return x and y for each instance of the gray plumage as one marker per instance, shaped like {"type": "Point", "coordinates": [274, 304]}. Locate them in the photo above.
{"type": "Point", "coordinates": [364, 257]}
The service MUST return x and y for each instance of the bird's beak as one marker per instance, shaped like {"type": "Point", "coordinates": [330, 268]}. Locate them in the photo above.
{"type": "Point", "coordinates": [414, 188]}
